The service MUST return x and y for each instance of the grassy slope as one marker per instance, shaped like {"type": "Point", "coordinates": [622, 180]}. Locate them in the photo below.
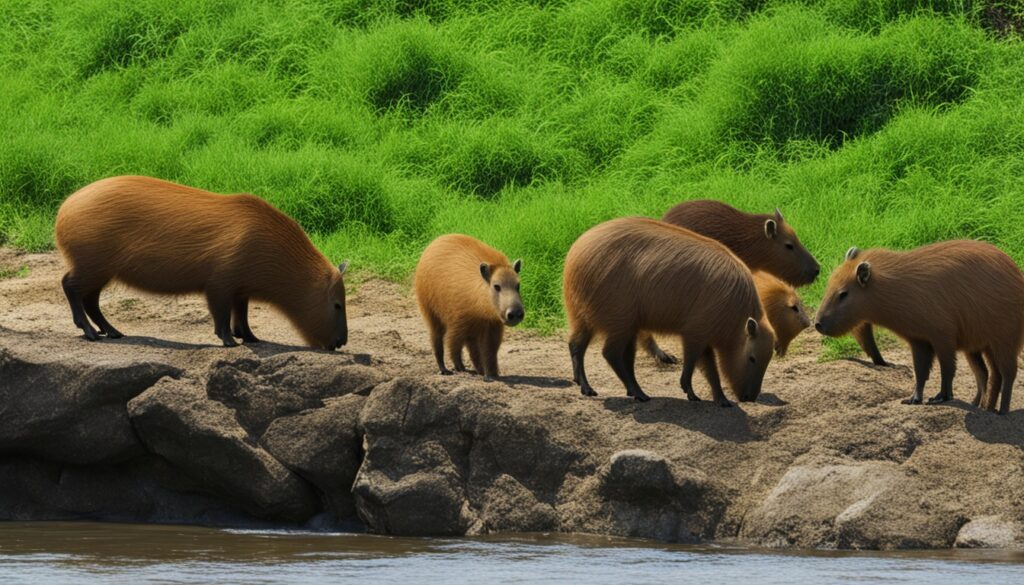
{"type": "Point", "coordinates": [381, 124]}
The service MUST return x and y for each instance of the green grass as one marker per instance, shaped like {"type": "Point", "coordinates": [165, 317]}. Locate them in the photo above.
{"type": "Point", "coordinates": [7, 272]}
{"type": "Point", "coordinates": [381, 124]}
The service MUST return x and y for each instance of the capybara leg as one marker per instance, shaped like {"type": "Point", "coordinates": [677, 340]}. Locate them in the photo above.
{"type": "Point", "coordinates": [947, 371]}
{"type": "Point", "coordinates": [70, 285]}
{"type": "Point", "coordinates": [91, 302]}
{"type": "Point", "coordinates": [492, 343]}
{"type": "Point", "coordinates": [621, 355]}
{"type": "Point", "coordinates": [477, 347]}
{"type": "Point", "coordinates": [1008, 368]}
{"type": "Point", "coordinates": [977, 363]}
{"type": "Point", "coordinates": [240, 321]}
{"type": "Point", "coordinates": [651, 346]}
{"type": "Point", "coordinates": [923, 357]}
{"type": "Point", "coordinates": [220, 309]}
{"type": "Point", "coordinates": [437, 330]}
{"type": "Point", "coordinates": [995, 383]}
{"type": "Point", "coordinates": [710, 368]}
{"type": "Point", "coordinates": [578, 342]}
{"type": "Point", "coordinates": [691, 356]}
{"type": "Point", "coordinates": [455, 345]}
{"type": "Point", "coordinates": [865, 336]}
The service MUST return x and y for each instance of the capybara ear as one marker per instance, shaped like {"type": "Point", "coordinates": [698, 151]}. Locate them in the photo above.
{"type": "Point", "coordinates": [485, 271]}
{"type": "Point", "coordinates": [751, 327]}
{"type": "Point", "coordinates": [863, 273]}
{"type": "Point", "coordinates": [771, 229]}
{"type": "Point", "coordinates": [778, 215]}
{"type": "Point", "coordinates": [852, 253]}
{"type": "Point", "coordinates": [517, 265]}
{"type": "Point", "coordinates": [343, 267]}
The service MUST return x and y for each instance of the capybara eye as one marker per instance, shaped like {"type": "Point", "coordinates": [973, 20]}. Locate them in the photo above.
{"type": "Point", "coordinates": [753, 360]}
{"type": "Point", "coordinates": [497, 287]}
{"type": "Point", "coordinates": [842, 295]}
{"type": "Point", "coordinates": [790, 247]}
{"type": "Point", "coordinates": [795, 308]}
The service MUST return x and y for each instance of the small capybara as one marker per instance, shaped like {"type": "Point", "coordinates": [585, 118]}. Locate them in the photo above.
{"type": "Point", "coordinates": [467, 293]}
{"type": "Point", "coordinates": [942, 298]}
{"type": "Point", "coordinates": [165, 238]}
{"type": "Point", "coordinates": [636, 273]}
{"type": "Point", "coordinates": [782, 305]}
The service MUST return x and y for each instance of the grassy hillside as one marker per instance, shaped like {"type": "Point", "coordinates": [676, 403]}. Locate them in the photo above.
{"type": "Point", "coordinates": [379, 124]}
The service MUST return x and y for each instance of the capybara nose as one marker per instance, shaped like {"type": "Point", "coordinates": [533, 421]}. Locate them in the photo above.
{"type": "Point", "coordinates": [818, 327]}
{"type": "Point", "coordinates": [514, 316]}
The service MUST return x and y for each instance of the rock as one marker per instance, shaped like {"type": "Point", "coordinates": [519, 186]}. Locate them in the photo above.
{"type": "Point", "coordinates": [70, 411]}
{"type": "Point", "coordinates": [323, 447]}
{"type": "Point", "coordinates": [263, 390]}
{"type": "Point", "coordinates": [508, 506]}
{"type": "Point", "coordinates": [989, 532]}
{"type": "Point", "coordinates": [641, 476]}
{"type": "Point", "coordinates": [201, 437]}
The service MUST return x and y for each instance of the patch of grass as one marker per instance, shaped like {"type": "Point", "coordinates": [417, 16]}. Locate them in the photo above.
{"type": "Point", "coordinates": [8, 272]}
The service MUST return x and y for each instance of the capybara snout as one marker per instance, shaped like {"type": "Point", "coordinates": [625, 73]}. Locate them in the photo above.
{"type": "Point", "coordinates": [504, 285]}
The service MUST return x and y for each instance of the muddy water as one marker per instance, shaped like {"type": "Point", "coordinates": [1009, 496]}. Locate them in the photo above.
{"type": "Point", "coordinates": [50, 553]}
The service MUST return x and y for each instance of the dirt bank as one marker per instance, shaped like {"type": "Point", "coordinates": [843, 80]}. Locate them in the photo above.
{"type": "Point", "coordinates": [165, 425]}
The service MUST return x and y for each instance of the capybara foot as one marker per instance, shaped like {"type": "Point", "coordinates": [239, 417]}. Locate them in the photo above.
{"type": "Point", "coordinates": [586, 390]}
{"type": "Point", "coordinates": [937, 399]}
{"type": "Point", "coordinates": [911, 400]}
{"type": "Point", "coordinates": [640, 396]}
{"type": "Point", "coordinates": [91, 334]}
{"type": "Point", "coordinates": [489, 378]}
{"type": "Point", "coordinates": [113, 333]}
{"type": "Point", "coordinates": [693, 397]}
{"type": "Point", "coordinates": [229, 342]}
{"type": "Point", "coordinates": [724, 403]}
{"type": "Point", "coordinates": [666, 358]}
{"type": "Point", "coordinates": [446, 372]}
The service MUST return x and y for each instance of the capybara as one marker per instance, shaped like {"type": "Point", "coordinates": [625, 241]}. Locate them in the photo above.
{"type": "Point", "coordinates": [635, 273]}
{"type": "Point", "coordinates": [467, 292]}
{"type": "Point", "coordinates": [165, 238]}
{"type": "Point", "coordinates": [941, 298]}
{"type": "Point", "coordinates": [782, 305]}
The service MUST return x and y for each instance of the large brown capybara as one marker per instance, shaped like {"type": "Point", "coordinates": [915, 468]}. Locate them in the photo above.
{"type": "Point", "coordinates": [165, 238]}
{"type": "Point", "coordinates": [637, 274]}
{"type": "Point", "coordinates": [467, 292]}
{"type": "Point", "coordinates": [942, 298]}
{"type": "Point", "coordinates": [782, 305]}
{"type": "Point", "coordinates": [764, 242]}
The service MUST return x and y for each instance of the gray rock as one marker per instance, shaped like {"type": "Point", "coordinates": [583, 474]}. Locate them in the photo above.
{"type": "Point", "coordinates": [72, 412]}
{"type": "Point", "coordinates": [177, 421]}
{"type": "Point", "coordinates": [989, 532]}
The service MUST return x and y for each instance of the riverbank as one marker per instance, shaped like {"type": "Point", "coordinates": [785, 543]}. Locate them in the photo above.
{"type": "Point", "coordinates": [165, 426]}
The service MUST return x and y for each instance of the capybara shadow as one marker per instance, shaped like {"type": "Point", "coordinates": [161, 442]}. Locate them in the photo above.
{"type": "Point", "coordinates": [262, 349]}
{"type": "Point", "coordinates": [538, 381]}
{"type": "Point", "coordinates": [769, 399]}
{"type": "Point", "coordinates": [705, 417]}
{"type": "Point", "coordinates": [990, 427]}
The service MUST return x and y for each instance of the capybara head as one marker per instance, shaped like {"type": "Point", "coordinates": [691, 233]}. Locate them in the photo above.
{"type": "Point", "coordinates": [327, 325]}
{"type": "Point", "coordinates": [847, 297]}
{"type": "Point", "coordinates": [788, 318]}
{"type": "Point", "coordinates": [787, 257]}
{"type": "Point", "coordinates": [504, 287]}
{"type": "Point", "coordinates": [749, 365]}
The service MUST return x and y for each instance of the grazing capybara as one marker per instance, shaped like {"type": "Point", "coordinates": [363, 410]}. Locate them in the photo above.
{"type": "Point", "coordinates": [467, 292]}
{"type": "Point", "coordinates": [165, 238]}
{"type": "Point", "coordinates": [635, 273]}
{"type": "Point", "coordinates": [782, 305]}
{"type": "Point", "coordinates": [942, 298]}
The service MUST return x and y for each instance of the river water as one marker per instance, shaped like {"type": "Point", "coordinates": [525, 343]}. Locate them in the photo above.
{"type": "Point", "coordinates": [81, 552]}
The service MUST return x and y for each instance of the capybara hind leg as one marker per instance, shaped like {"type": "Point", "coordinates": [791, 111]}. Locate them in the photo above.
{"type": "Point", "coordinates": [620, 352]}
{"type": "Point", "coordinates": [578, 343]}
{"type": "Point", "coordinates": [437, 330]}
{"type": "Point", "coordinates": [72, 292]}
{"type": "Point", "coordinates": [709, 366]}
{"type": "Point", "coordinates": [947, 371]}
{"type": "Point", "coordinates": [220, 309]}
{"type": "Point", "coordinates": [995, 383]}
{"type": "Point", "coordinates": [91, 302]}
{"type": "Point", "coordinates": [923, 356]}
{"type": "Point", "coordinates": [651, 346]}
{"type": "Point", "coordinates": [977, 363]}
{"type": "Point", "coordinates": [476, 349]}
{"type": "Point", "coordinates": [455, 345]}
{"type": "Point", "coordinates": [691, 356]}
{"type": "Point", "coordinates": [1008, 368]}
{"type": "Point", "coordinates": [865, 336]}
{"type": "Point", "coordinates": [492, 342]}
{"type": "Point", "coordinates": [240, 321]}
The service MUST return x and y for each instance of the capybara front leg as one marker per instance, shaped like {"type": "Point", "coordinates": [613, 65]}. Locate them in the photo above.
{"type": "Point", "coordinates": [1008, 369]}
{"type": "Point", "coordinates": [691, 356]}
{"type": "Point", "coordinates": [477, 347]}
{"type": "Point", "coordinates": [490, 354]}
{"type": "Point", "coordinates": [240, 321]}
{"type": "Point", "coordinates": [578, 343]}
{"type": "Point", "coordinates": [70, 286]}
{"type": "Point", "coordinates": [651, 346]}
{"type": "Point", "coordinates": [923, 356]}
{"type": "Point", "coordinates": [91, 302]}
{"type": "Point", "coordinates": [710, 368]}
{"type": "Point", "coordinates": [455, 344]}
{"type": "Point", "coordinates": [977, 363]}
{"type": "Point", "coordinates": [220, 310]}
{"type": "Point", "coordinates": [621, 355]}
{"type": "Point", "coordinates": [865, 336]}
{"type": "Point", "coordinates": [947, 371]}
{"type": "Point", "coordinates": [437, 330]}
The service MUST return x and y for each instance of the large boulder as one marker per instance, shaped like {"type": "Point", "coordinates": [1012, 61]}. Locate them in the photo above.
{"type": "Point", "coordinates": [72, 412]}
{"type": "Point", "coordinates": [262, 390]}
{"type": "Point", "coordinates": [177, 421]}
{"type": "Point", "coordinates": [990, 532]}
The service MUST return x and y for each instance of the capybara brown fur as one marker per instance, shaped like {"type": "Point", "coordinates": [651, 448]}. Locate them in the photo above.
{"type": "Point", "coordinates": [165, 238]}
{"type": "Point", "coordinates": [637, 274]}
{"type": "Point", "coordinates": [782, 305]}
{"type": "Point", "coordinates": [467, 292]}
{"type": "Point", "coordinates": [942, 298]}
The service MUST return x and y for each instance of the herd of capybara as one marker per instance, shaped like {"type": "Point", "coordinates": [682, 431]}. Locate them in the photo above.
{"type": "Point", "coordinates": [721, 279]}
